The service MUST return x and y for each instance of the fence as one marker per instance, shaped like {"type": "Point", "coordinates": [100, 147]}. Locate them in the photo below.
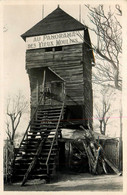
{"type": "Point", "coordinates": [113, 151]}
{"type": "Point", "coordinates": [8, 154]}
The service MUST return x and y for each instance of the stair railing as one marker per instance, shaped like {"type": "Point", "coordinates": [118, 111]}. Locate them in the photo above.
{"type": "Point", "coordinates": [54, 138]}
{"type": "Point", "coordinates": [32, 164]}
{"type": "Point", "coordinates": [34, 114]}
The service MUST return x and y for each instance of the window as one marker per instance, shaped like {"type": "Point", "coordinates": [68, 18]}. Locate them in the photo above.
{"type": "Point", "coordinates": [49, 49]}
{"type": "Point", "coordinates": [58, 48]}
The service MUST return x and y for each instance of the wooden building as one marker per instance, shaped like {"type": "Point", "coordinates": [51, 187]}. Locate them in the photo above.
{"type": "Point", "coordinates": [59, 65]}
{"type": "Point", "coordinates": [64, 59]}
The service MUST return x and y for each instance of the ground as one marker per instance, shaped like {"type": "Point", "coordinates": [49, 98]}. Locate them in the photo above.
{"type": "Point", "coordinates": [73, 182]}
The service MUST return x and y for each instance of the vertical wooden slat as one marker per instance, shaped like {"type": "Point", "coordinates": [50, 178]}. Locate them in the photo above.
{"type": "Point", "coordinates": [6, 160]}
{"type": "Point", "coordinates": [37, 91]}
{"type": "Point", "coordinates": [43, 86]}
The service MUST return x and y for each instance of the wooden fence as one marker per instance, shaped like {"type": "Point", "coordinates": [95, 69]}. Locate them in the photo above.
{"type": "Point", "coordinates": [8, 153]}
{"type": "Point", "coordinates": [113, 150]}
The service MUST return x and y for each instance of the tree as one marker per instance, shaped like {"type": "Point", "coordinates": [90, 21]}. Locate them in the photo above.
{"type": "Point", "coordinates": [108, 48]}
{"type": "Point", "coordinates": [16, 107]}
{"type": "Point", "coordinates": [103, 114]}
{"type": "Point", "coordinates": [104, 108]}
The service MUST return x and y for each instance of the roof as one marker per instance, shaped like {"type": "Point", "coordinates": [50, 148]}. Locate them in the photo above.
{"type": "Point", "coordinates": [79, 134]}
{"type": "Point", "coordinates": [56, 22]}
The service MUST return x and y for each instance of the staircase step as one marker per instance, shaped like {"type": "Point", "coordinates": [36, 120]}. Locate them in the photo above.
{"type": "Point", "coordinates": [34, 149]}
{"type": "Point", "coordinates": [28, 160]}
{"type": "Point", "coordinates": [50, 109]}
{"type": "Point", "coordinates": [45, 132]}
{"type": "Point", "coordinates": [36, 169]}
{"type": "Point", "coordinates": [28, 149]}
{"type": "Point", "coordinates": [44, 158]}
{"type": "Point", "coordinates": [37, 140]}
{"type": "Point", "coordinates": [31, 145]}
{"type": "Point", "coordinates": [33, 139]}
{"type": "Point", "coordinates": [43, 126]}
{"type": "Point", "coordinates": [48, 146]}
{"type": "Point", "coordinates": [44, 164]}
{"type": "Point", "coordinates": [48, 142]}
{"type": "Point", "coordinates": [44, 123]}
{"type": "Point", "coordinates": [44, 171]}
{"type": "Point", "coordinates": [52, 117]}
{"type": "Point", "coordinates": [24, 163]}
{"type": "Point", "coordinates": [34, 154]}
{"type": "Point", "coordinates": [24, 144]}
{"type": "Point", "coordinates": [36, 136]}
{"type": "Point", "coordinates": [45, 149]}
{"type": "Point", "coordinates": [46, 154]}
{"type": "Point", "coordinates": [39, 129]}
{"type": "Point", "coordinates": [39, 176]}
{"type": "Point", "coordinates": [48, 114]}
{"type": "Point", "coordinates": [20, 170]}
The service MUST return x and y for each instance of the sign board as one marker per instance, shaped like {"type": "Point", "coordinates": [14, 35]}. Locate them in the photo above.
{"type": "Point", "coordinates": [54, 40]}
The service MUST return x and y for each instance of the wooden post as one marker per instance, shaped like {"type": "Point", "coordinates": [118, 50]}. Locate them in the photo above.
{"type": "Point", "coordinates": [42, 11]}
{"type": "Point", "coordinates": [6, 160]}
{"type": "Point", "coordinates": [69, 154]}
{"type": "Point", "coordinates": [37, 91]}
{"type": "Point", "coordinates": [43, 86]}
{"type": "Point", "coordinates": [79, 13]}
{"type": "Point", "coordinates": [120, 143]}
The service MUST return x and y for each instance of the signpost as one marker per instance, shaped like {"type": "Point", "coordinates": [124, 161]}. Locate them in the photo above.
{"type": "Point", "coordinates": [54, 40]}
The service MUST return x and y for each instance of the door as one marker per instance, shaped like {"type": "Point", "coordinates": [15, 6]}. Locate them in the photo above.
{"type": "Point", "coordinates": [54, 93]}
{"type": "Point", "coordinates": [57, 92]}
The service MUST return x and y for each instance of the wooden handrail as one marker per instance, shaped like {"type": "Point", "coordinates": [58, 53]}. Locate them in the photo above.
{"type": "Point", "coordinates": [32, 164]}
{"type": "Point", "coordinates": [56, 131]}
{"type": "Point", "coordinates": [31, 121]}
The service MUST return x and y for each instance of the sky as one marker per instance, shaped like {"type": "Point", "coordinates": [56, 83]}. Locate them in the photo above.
{"type": "Point", "coordinates": [17, 19]}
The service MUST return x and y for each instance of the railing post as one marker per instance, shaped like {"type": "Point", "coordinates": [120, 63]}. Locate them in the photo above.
{"type": "Point", "coordinates": [47, 169]}
{"type": "Point", "coordinates": [57, 138]}
{"type": "Point", "coordinates": [54, 139]}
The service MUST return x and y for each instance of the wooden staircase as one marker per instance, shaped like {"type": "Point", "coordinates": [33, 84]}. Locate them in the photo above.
{"type": "Point", "coordinates": [38, 151]}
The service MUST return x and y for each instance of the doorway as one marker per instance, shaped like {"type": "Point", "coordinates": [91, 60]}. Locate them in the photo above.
{"type": "Point", "coordinates": [52, 86]}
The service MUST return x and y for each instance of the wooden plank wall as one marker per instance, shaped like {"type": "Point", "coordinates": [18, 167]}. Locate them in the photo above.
{"type": "Point", "coordinates": [87, 75]}
{"type": "Point", "coordinates": [67, 64]}
{"type": "Point", "coordinates": [111, 148]}
{"type": "Point", "coordinates": [33, 88]}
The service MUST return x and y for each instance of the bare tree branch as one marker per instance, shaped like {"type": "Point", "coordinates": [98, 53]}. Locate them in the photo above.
{"type": "Point", "coordinates": [108, 48]}
{"type": "Point", "coordinates": [103, 112]}
{"type": "Point", "coordinates": [16, 107]}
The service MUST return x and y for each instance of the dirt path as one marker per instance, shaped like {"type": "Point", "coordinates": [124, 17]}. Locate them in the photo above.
{"type": "Point", "coordinates": [71, 182]}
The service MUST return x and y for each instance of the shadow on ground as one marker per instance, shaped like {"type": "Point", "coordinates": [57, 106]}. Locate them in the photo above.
{"type": "Point", "coordinates": [73, 182]}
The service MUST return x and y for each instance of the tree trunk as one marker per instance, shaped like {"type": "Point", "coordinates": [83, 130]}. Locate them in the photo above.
{"type": "Point", "coordinates": [116, 79]}
{"type": "Point", "coordinates": [104, 129]}
{"type": "Point", "coordinates": [101, 130]}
